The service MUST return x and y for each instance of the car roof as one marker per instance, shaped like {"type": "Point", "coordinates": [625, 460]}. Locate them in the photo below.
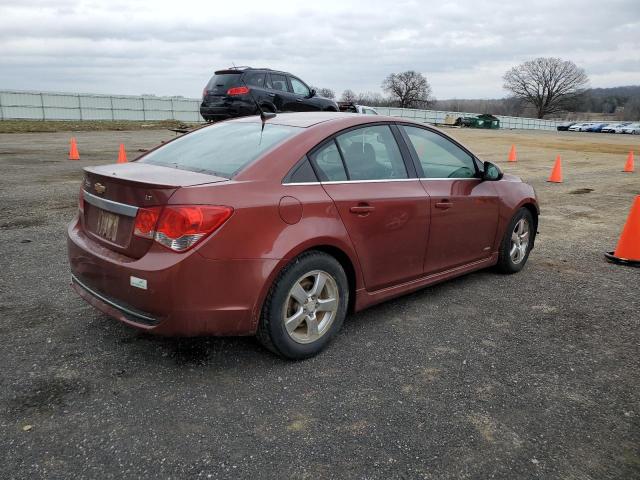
{"type": "Point", "coordinates": [308, 119]}
{"type": "Point", "coordinates": [247, 69]}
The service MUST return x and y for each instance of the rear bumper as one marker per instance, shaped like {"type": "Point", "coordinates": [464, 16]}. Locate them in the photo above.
{"type": "Point", "coordinates": [186, 294]}
{"type": "Point", "coordinates": [235, 109]}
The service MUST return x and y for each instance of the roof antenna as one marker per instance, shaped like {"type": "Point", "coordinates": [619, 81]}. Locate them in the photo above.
{"type": "Point", "coordinates": [264, 116]}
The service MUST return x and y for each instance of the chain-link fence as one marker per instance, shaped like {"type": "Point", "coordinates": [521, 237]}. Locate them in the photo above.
{"type": "Point", "coordinates": [73, 106]}
{"type": "Point", "coordinates": [440, 117]}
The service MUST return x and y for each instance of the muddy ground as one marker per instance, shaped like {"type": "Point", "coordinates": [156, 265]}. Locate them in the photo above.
{"type": "Point", "coordinates": [535, 375]}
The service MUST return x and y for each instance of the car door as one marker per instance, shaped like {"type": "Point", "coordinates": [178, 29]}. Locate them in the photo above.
{"type": "Point", "coordinates": [278, 91]}
{"type": "Point", "coordinates": [303, 103]}
{"type": "Point", "coordinates": [282, 98]}
{"type": "Point", "coordinates": [464, 209]}
{"type": "Point", "coordinates": [385, 211]}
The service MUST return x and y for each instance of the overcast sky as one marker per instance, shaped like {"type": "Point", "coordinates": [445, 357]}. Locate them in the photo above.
{"type": "Point", "coordinates": [172, 48]}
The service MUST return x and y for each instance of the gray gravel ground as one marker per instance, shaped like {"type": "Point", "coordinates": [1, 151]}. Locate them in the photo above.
{"type": "Point", "coordinates": [534, 375]}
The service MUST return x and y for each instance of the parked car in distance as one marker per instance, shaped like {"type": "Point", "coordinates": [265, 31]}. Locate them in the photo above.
{"type": "Point", "coordinates": [235, 91]}
{"type": "Point", "coordinates": [279, 228]}
{"type": "Point", "coordinates": [633, 128]}
{"type": "Point", "coordinates": [619, 128]}
{"type": "Point", "coordinates": [579, 127]}
{"type": "Point", "coordinates": [595, 127]}
{"type": "Point", "coordinates": [563, 127]}
{"type": "Point", "coordinates": [611, 127]}
{"type": "Point", "coordinates": [350, 107]}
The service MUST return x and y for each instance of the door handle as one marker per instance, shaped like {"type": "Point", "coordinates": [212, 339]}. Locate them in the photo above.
{"type": "Point", "coordinates": [362, 210]}
{"type": "Point", "coordinates": [298, 100]}
{"type": "Point", "coordinates": [271, 94]}
{"type": "Point", "coordinates": [444, 204]}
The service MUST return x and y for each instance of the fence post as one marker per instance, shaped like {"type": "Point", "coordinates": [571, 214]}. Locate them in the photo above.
{"type": "Point", "coordinates": [144, 113]}
{"type": "Point", "coordinates": [173, 113]}
{"type": "Point", "coordinates": [1, 110]}
{"type": "Point", "coordinates": [42, 106]}
{"type": "Point", "coordinates": [113, 116]}
{"type": "Point", "coordinates": [80, 107]}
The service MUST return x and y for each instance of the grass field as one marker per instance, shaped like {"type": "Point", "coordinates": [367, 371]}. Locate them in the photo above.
{"type": "Point", "coordinates": [31, 126]}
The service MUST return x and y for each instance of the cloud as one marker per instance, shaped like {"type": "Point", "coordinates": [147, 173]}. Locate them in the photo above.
{"type": "Point", "coordinates": [172, 48]}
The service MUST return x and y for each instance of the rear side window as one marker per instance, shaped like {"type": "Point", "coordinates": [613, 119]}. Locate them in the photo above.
{"type": "Point", "coordinates": [439, 157]}
{"type": "Point", "coordinates": [371, 153]}
{"type": "Point", "coordinates": [255, 79]}
{"type": "Point", "coordinates": [279, 82]}
{"type": "Point", "coordinates": [220, 83]}
{"type": "Point", "coordinates": [302, 173]}
{"type": "Point", "coordinates": [222, 149]}
{"type": "Point", "coordinates": [329, 163]}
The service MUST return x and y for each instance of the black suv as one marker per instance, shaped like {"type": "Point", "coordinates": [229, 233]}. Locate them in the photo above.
{"type": "Point", "coordinates": [231, 93]}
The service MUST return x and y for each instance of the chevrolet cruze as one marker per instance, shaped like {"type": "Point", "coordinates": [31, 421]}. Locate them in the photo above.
{"type": "Point", "coordinates": [280, 228]}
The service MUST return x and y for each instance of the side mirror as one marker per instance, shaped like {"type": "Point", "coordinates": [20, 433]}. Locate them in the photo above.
{"type": "Point", "coordinates": [312, 93]}
{"type": "Point", "coordinates": [491, 172]}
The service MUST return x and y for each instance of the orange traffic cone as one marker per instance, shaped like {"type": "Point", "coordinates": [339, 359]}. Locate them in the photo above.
{"type": "Point", "coordinates": [628, 167]}
{"type": "Point", "coordinates": [512, 154]}
{"type": "Point", "coordinates": [73, 150]}
{"type": "Point", "coordinates": [122, 155]}
{"type": "Point", "coordinates": [627, 251]}
{"type": "Point", "coordinates": [556, 173]}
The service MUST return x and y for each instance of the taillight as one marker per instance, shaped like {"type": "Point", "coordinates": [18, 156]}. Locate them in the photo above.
{"type": "Point", "coordinates": [180, 227]}
{"type": "Point", "coordinates": [146, 220]}
{"type": "Point", "coordinates": [238, 91]}
{"type": "Point", "coordinates": [204, 92]}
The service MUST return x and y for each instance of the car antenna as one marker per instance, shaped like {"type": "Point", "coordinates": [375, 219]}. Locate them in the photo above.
{"type": "Point", "coordinates": [264, 116]}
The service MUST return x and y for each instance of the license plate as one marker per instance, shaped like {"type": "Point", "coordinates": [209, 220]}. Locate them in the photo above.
{"type": "Point", "coordinates": [107, 226]}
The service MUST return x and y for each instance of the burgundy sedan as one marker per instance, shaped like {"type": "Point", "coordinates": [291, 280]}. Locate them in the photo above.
{"type": "Point", "coordinates": [279, 230]}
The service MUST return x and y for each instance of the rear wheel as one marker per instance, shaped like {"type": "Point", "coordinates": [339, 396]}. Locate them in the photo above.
{"type": "Point", "coordinates": [517, 242]}
{"type": "Point", "coordinates": [305, 307]}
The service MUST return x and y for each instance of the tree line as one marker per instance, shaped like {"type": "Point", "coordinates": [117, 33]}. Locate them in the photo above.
{"type": "Point", "coordinates": [540, 87]}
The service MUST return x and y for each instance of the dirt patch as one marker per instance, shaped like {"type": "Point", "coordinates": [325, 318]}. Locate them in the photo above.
{"type": "Point", "coordinates": [46, 394]}
{"type": "Point", "coordinates": [22, 223]}
{"type": "Point", "coordinates": [580, 191]}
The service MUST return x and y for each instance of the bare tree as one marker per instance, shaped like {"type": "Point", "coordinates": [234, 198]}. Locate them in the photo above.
{"type": "Point", "coordinates": [348, 96]}
{"type": "Point", "coordinates": [325, 92]}
{"type": "Point", "coordinates": [409, 89]}
{"type": "Point", "coordinates": [549, 84]}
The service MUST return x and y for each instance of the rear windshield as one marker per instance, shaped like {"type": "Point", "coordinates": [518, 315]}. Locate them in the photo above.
{"type": "Point", "coordinates": [222, 82]}
{"type": "Point", "coordinates": [222, 149]}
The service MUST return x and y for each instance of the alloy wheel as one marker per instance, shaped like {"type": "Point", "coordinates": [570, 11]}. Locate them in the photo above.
{"type": "Point", "coordinates": [311, 306]}
{"type": "Point", "coordinates": [519, 241]}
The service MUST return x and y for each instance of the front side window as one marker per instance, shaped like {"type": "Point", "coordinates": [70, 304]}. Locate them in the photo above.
{"type": "Point", "coordinates": [299, 88]}
{"type": "Point", "coordinates": [371, 153]}
{"type": "Point", "coordinates": [439, 157]}
{"type": "Point", "coordinates": [329, 163]}
{"type": "Point", "coordinates": [279, 82]}
{"type": "Point", "coordinates": [221, 149]}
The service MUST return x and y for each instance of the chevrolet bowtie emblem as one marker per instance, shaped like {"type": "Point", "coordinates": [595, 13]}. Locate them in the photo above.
{"type": "Point", "coordinates": [99, 188]}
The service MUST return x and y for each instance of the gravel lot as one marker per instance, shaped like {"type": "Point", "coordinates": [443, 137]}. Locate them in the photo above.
{"type": "Point", "coordinates": [535, 375]}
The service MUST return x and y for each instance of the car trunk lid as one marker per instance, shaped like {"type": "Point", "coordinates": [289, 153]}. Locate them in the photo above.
{"type": "Point", "coordinates": [215, 92]}
{"type": "Point", "coordinates": [113, 194]}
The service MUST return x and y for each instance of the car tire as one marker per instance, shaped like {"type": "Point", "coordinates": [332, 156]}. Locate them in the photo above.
{"type": "Point", "coordinates": [513, 253]}
{"type": "Point", "coordinates": [305, 306]}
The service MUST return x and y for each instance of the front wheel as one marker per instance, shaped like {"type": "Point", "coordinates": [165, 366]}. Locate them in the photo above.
{"type": "Point", "coordinates": [305, 307]}
{"type": "Point", "coordinates": [517, 242]}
